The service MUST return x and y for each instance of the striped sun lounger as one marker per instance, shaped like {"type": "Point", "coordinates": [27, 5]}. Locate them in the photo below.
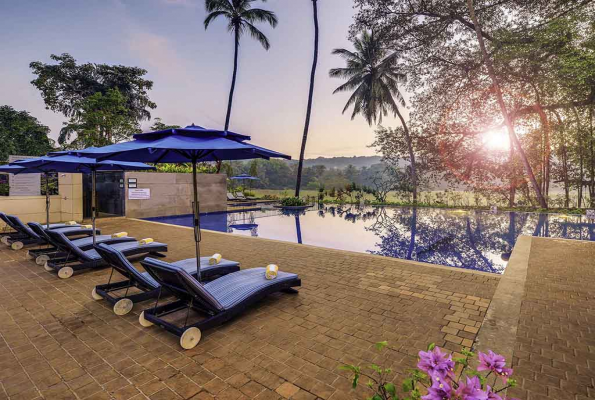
{"type": "Point", "coordinates": [79, 260]}
{"type": "Point", "coordinates": [140, 286]}
{"type": "Point", "coordinates": [218, 300]}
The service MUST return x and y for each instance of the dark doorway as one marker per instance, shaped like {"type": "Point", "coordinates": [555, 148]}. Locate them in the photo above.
{"type": "Point", "coordinates": [110, 194]}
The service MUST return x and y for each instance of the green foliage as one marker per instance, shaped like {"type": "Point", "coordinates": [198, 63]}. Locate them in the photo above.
{"type": "Point", "coordinates": [158, 125]}
{"type": "Point", "coordinates": [22, 134]}
{"type": "Point", "coordinates": [103, 119]}
{"type": "Point", "coordinates": [293, 202]}
{"type": "Point", "coordinates": [66, 85]}
{"type": "Point", "coordinates": [186, 168]}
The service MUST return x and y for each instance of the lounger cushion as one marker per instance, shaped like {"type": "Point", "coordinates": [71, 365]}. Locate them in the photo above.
{"type": "Point", "coordinates": [89, 240]}
{"type": "Point", "coordinates": [189, 266]}
{"type": "Point", "coordinates": [123, 247]}
{"type": "Point", "coordinates": [230, 290]}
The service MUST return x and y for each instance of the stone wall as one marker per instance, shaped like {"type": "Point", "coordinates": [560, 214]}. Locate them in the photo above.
{"type": "Point", "coordinates": [171, 194]}
{"type": "Point", "coordinates": [67, 206]}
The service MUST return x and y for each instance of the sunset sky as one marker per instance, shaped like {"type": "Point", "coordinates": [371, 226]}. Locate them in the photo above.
{"type": "Point", "coordinates": [191, 67]}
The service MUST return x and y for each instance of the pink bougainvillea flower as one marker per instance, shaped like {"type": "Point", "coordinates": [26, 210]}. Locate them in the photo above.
{"type": "Point", "coordinates": [495, 363]}
{"type": "Point", "coordinates": [471, 390]}
{"type": "Point", "coordinates": [440, 389]}
{"type": "Point", "coordinates": [436, 363]}
{"type": "Point", "coordinates": [492, 395]}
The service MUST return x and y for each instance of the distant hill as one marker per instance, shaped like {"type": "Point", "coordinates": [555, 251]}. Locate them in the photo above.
{"type": "Point", "coordinates": [341, 162]}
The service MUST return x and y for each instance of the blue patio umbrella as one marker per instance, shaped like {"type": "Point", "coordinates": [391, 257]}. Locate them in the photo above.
{"type": "Point", "coordinates": [245, 177]}
{"type": "Point", "coordinates": [71, 164]}
{"type": "Point", "coordinates": [182, 145]}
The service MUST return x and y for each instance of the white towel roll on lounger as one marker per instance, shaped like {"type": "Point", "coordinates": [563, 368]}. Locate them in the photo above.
{"type": "Point", "coordinates": [215, 259]}
{"type": "Point", "coordinates": [86, 226]}
{"type": "Point", "coordinates": [119, 235]}
{"type": "Point", "coordinates": [70, 223]}
{"type": "Point", "coordinates": [271, 271]}
{"type": "Point", "coordinates": [145, 241]}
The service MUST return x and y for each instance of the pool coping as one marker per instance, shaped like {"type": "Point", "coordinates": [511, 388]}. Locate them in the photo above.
{"type": "Point", "coordinates": [411, 262]}
{"type": "Point", "coordinates": [498, 331]}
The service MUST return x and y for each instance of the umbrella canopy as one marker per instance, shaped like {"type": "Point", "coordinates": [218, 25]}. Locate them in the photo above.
{"type": "Point", "coordinates": [71, 164]}
{"type": "Point", "coordinates": [181, 145]}
{"type": "Point", "coordinates": [245, 177]}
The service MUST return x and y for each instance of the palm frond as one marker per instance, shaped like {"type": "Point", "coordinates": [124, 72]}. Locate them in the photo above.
{"type": "Point", "coordinates": [255, 15]}
{"type": "Point", "coordinates": [258, 35]}
{"type": "Point", "coordinates": [218, 5]}
{"type": "Point", "coordinates": [213, 16]}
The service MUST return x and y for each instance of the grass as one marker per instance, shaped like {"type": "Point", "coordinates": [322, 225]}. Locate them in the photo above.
{"type": "Point", "coordinates": [435, 199]}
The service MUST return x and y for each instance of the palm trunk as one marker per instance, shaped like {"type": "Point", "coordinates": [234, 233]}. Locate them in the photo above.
{"type": "Point", "coordinates": [513, 137]}
{"type": "Point", "coordinates": [512, 180]}
{"type": "Point", "coordinates": [233, 79]}
{"type": "Point", "coordinates": [310, 98]}
{"type": "Point", "coordinates": [411, 156]}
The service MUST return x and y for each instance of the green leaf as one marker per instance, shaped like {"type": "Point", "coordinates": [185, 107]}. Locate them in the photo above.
{"type": "Point", "coordinates": [377, 397]}
{"type": "Point", "coordinates": [407, 385]}
{"type": "Point", "coordinates": [355, 381]}
{"type": "Point", "coordinates": [431, 346]}
{"type": "Point", "coordinates": [375, 368]}
{"type": "Point", "coordinates": [511, 382]}
{"type": "Point", "coordinates": [390, 388]}
{"type": "Point", "coordinates": [381, 345]}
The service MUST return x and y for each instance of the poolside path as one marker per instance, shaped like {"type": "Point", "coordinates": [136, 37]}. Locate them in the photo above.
{"type": "Point", "coordinates": [554, 356]}
{"type": "Point", "coordinates": [58, 343]}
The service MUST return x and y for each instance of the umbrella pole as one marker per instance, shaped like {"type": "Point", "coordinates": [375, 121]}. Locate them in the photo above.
{"type": "Point", "coordinates": [196, 212]}
{"type": "Point", "coordinates": [93, 194]}
{"type": "Point", "coordinates": [47, 200]}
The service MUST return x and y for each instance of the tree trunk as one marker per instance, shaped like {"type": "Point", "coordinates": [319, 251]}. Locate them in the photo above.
{"type": "Point", "coordinates": [512, 180]}
{"type": "Point", "coordinates": [233, 79]}
{"type": "Point", "coordinates": [546, 146]}
{"type": "Point", "coordinates": [411, 156]}
{"type": "Point", "coordinates": [564, 156]}
{"type": "Point", "coordinates": [513, 137]}
{"type": "Point", "coordinates": [298, 183]}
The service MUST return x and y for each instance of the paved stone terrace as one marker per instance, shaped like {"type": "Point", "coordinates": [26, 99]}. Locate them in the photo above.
{"type": "Point", "coordinates": [554, 355]}
{"type": "Point", "coordinates": [58, 343]}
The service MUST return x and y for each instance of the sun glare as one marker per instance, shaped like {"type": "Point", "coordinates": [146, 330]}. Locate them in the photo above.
{"type": "Point", "coordinates": [496, 139]}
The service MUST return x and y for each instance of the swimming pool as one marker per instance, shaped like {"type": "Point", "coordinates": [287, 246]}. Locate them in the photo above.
{"type": "Point", "coordinates": [478, 240]}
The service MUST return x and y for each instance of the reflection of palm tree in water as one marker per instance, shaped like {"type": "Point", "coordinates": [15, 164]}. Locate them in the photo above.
{"type": "Point", "coordinates": [298, 228]}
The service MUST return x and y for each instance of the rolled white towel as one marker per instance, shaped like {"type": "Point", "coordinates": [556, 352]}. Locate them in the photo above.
{"type": "Point", "coordinates": [70, 223]}
{"type": "Point", "coordinates": [119, 235]}
{"type": "Point", "coordinates": [215, 259]}
{"type": "Point", "coordinates": [271, 271]}
{"type": "Point", "coordinates": [145, 241]}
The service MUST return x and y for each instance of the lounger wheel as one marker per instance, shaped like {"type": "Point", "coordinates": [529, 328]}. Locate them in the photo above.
{"type": "Point", "coordinates": [95, 295]}
{"type": "Point", "coordinates": [65, 272]}
{"type": "Point", "coordinates": [16, 245]}
{"type": "Point", "coordinates": [4, 240]}
{"type": "Point", "coordinates": [47, 267]}
{"type": "Point", "coordinates": [29, 255]}
{"type": "Point", "coordinates": [190, 338]}
{"type": "Point", "coordinates": [123, 306]}
{"type": "Point", "coordinates": [144, 322]}
{"type": "Point", "coordinates": [42, 259]}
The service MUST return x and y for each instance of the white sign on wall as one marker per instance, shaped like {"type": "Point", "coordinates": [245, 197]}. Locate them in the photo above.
{"type": "Point", "coordinates": [24, 184]}
{"type": "Point", "coordinates": [139, 194]}
{"type": "Point", "coordinates": [590, 214]}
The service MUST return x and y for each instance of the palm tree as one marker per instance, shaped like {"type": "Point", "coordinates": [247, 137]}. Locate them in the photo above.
{"type": "Point", "coordinates": [374, 77]}
{"type": "Point", "coordinates": [241, 17]}
{"type": "Point", "coordinates": [310, 97]}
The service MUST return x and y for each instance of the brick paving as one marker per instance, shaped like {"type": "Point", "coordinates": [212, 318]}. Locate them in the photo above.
{"type": "Point", "coordinates": [58, 343]}
{"type": "Point", "coordinates": [554, 356]}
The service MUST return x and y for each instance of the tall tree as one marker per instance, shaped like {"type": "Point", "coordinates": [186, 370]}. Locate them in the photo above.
{"type": "Point", "coordinates": [310, 99]}
{"type": "Point", "coordinates": [102, 120]}
{"type": "Point", "coordinates": [22, 134]}
{"type": "Point", "coordinates": [374, 76]}
{"type": "Point", "coordinates": [64, 86]}
{"type": "Point", "coordinates": [241, 17]}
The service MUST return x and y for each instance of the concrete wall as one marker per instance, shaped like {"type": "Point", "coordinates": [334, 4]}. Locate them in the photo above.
{"type": "Point", "coordinates": [67, 206]}
{"type": "Point", "coordinates": [171, 194]}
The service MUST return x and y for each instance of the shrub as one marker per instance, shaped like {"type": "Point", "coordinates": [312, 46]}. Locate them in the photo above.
{"type": "Point", "coordinates": [293, 202]}
{"type": "Point", "coordinates": [439, 377]}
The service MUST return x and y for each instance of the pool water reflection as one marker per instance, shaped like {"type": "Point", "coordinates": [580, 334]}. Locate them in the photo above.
{"type": "Point", "coordinates": [478, 240]}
